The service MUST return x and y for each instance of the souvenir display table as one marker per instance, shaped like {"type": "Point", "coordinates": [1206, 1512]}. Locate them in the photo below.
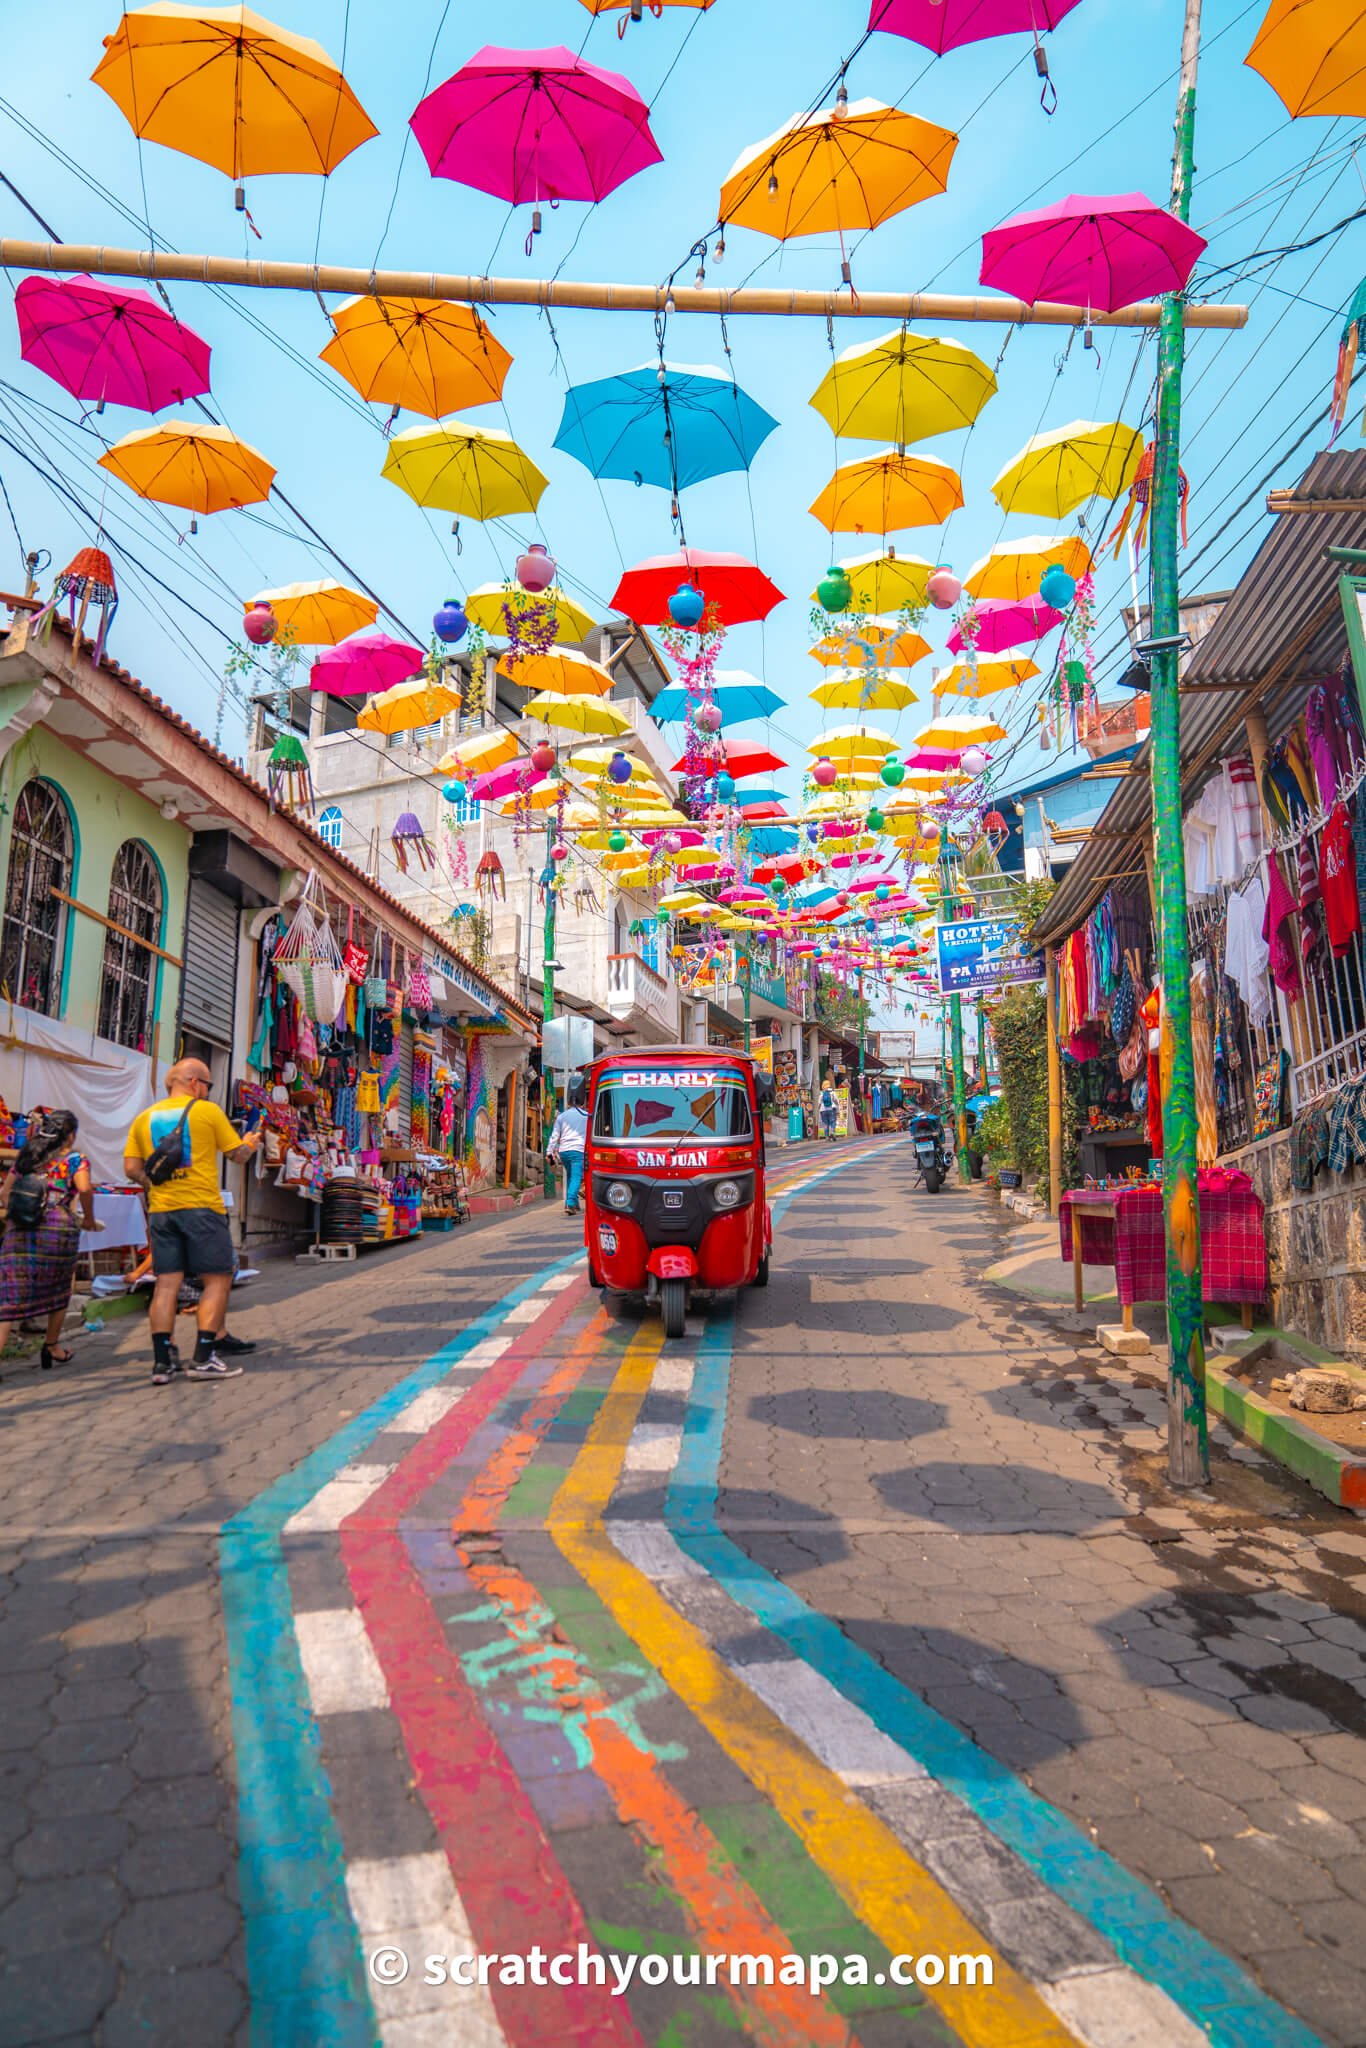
{"type": "Point", "coordinates": [125, 1222]}
{"type": "Point", "coordinates": [1122, 1227]}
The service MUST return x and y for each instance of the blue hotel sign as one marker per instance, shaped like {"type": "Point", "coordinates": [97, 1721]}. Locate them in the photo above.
{"type": "Point", "coordinates": [979, 954]}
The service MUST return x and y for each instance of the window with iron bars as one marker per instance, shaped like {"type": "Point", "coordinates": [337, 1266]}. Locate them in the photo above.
{"type": "Point", "coordinates": [40, 860]}
{"type": "Point", "coordinates": [128, 980]}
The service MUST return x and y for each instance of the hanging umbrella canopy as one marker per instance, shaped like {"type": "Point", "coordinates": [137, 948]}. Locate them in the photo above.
{"type": "Point", "coordinates": [1102, 252]}
{"type": "Point", "coordinates": [738, 759]}
{"type": "Point", "coordinates": [903, 387]}
{"type": "Point", "coordinates": [1007, 622]}
{"type": "Point", "coordinates": [932, 758]}
{"type": "Point", "coordinates": [201, 469]}
{"type": "Point", "coordinates": [852, 743]}
{"type": "Point", "coordinates": [887, 493]}
{"type": "Point", "coordinates": [842, 168]}
{"type": "Point", "coordinates": [320, 614]}
{"type": "Point", "coordinates": [620, 6]}
{"type": "Point", "coordinates": [854, 689]}
{"type": "Point", "coordinates": [577, 714]}
{"type": "Point", "coordinates": [539, 795]}
{"type": "Point", "coordinates": [1055, 472]}
{"type": "Point", "coordinates": [739, 696]}
{"type": "Point", "coordinates": [941, 25]}
{"type": "Point", "coordinates": [559, 672]}
{"type": "Point", "coordinates": [929, 781]}
{"type": "Point", "coordinates": [952, 731]}
{"type": "Point", "coordinates": [696, 424]}
{"type": "Point", "coordinates": [229, 88]}
{"type": "Point", "coordinates": [735, 590]}
{"type": "Point", "coordinates": [500, 781]}
{"type": "Point", "coordinates": [489, 605]}
{"type": "Point", "coordinates": [485, 751]}
{"type": "Point", "coordinates": [475, 472]}
{"type": "Point", "coordinates": [1312, 53]}
{"type": "Point", "coordinates": [533, 125]}
{"type": "Point", "coordinates": [367, 663]}
{"type": "Point", "coordinates": [985, 678]}
{"type": "Point", "coordinates": [109, 344]}
{"type": "Point", "coordinates": [885, 582]}
{"type": "Point", "coordinates": [423, 355]}
{"type": "Point", "coordinates": [881, 643]}
{"type": "Point", "coordinates": [1013, 568]}
{"type": "Point", "coordinates": [593, 763]}
{"type": "Point", "coordinates": [408, 707]}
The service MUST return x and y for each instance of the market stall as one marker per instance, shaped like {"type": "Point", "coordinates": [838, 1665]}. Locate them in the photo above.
{"type": "Point", "coordinates": [1122, 1227]}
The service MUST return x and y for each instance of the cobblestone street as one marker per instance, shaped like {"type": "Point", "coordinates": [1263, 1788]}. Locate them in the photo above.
{"type": "Point", "coordinates": [861, 1621]}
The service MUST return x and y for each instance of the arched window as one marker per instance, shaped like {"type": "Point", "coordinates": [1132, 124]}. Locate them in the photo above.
{"type": "Point", "coordinates": [35, 920]}
{"type": "Point", "coordinates": [330, 826]}
{"type": "Point", "coordinates": [130, 970]}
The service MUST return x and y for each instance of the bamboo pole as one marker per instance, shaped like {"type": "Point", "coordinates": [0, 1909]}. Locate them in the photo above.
{"type": "Point", "coordinates": [360, 281]}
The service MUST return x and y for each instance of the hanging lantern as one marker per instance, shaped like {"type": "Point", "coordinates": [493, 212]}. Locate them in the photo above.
{"type": "Point", "coordinates": [995, 826]}
{"type": "Point", "coordinates": [87, 579]}
{"type": "Point", "coordinates": [813, 833]}
{"type": "Point", "coordinates": [687, 607]}
{"type": "Point", "coordinates": [842, 900]}
{"type": "Point", "coordinates": [893, 772]}
{"type": "Point", "coordinates": [450, 624]}
{"type": "Point", "coordinates": [1056, 587]}
{"type": "Point", "coordinates": [834, 590]}
{"type": "Point", "coordinates": [876, 819]}
{"type": "Point", "coordinates": [454, 792]}
{"type": "Point", "coordinates": [708, 716]}
{"type": "Point", "coordinates": [929, 830]}
{"type": "Point", "coordinates": [619, 768]}
{"type": "Point", "coordinates": [882, 892]}
{"type": "Point", "coordinates": [535, 569]}
{"type": "Point", "coordinates": [672, 842]}
{"type": "Point", "coordinates": [943, 590]}
{"type": "Point", "coordinates": [489, 878]}
{"type": "Point", "coordinates": [661, 918]}
{"type": "Point", "coordinates": [973, 760]}
{"type": "Point", "coordinates": [410, 842]}
{"type": "Point", "coordinates": [824, 773]}
{"type": "Point", "coordinates": [618, 841]}
{"type": "Point", "coordinates": [559, 851]}
{"type": "Point", "coordinates": [777, 887]}
{"type": "Point", "coordinates": [260, 624]}
{"type": "Point", "coordinates": [287, 776]}
{"type": "Point", "coordinates": [543, 757]}
{"type": "Point", "coordinates": [725, 788]}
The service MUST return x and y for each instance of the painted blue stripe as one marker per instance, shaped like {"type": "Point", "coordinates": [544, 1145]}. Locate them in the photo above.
{"type": "Point", "coordinates": [1206, 1984]}
{"type": "Point", "coordinates": [304, 1964]}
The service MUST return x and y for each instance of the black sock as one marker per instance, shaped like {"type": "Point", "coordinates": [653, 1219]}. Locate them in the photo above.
{"type": "Point", "coordinates": [203, 1346]}
{"type": "Point", "coordinates": [161, 1348]}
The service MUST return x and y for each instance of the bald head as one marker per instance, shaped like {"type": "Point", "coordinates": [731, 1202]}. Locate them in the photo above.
{"type": "Point", "coordinates": [181, 1078]}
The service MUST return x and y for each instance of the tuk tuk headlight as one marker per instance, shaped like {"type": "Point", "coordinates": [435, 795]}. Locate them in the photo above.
{"type": "Point", "coordinates": [618, 1195]}
{"type": "Point", "coordinates": [726, 1194]}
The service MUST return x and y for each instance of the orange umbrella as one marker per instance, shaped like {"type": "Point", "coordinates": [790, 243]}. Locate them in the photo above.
{"type": "Point", "coordinates": [201, 469]}
{"type": "Point", "coordinates": [424, 355]}
{"type": "Point", "coordinates": [887, 493]}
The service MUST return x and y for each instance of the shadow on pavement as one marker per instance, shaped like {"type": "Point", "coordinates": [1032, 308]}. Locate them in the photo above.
{"type": "Point", "coordinates": [826, 1412]}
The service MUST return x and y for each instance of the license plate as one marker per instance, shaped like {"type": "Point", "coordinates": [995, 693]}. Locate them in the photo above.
{"type": "Point", "coordinates": [607, 1240]}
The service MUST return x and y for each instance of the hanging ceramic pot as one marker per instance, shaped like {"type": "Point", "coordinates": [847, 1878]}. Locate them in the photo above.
{"type": "Point", "coordinates": [450, 623]}
{"type": "Point", "coordinates": [260, 624]}
{"type": "Point", "coordinates": [536, 568]}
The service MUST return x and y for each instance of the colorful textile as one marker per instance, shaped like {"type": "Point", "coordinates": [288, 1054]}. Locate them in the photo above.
{"type": "Point", "coordinates": [37, 1267]}
{"type": "Point", "coordinates": [1278, 929]}
{"type": "Point", "coordinates": [1268, 1095]}
{"type": "Point", "coordinates": [1338, 882]}
{"type": "Point", "coordinates": [1202, 1049]}
{"type": "Point", "coordinates": [1347, 1128]}
{"type": "Point", "coordinates": [1309, 1145]}
{"type": "Point", "coordinates": [1232, 1243]}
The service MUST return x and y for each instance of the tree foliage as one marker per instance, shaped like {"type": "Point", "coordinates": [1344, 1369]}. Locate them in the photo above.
{"type": "Point", "coordinates": [839, 1004]}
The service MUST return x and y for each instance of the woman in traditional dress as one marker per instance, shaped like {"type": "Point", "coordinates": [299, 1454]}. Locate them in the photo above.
{"type": "Point", "coordinates": [38, 1257]}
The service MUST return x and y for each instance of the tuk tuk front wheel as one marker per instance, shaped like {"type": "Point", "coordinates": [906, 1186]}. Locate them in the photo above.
{"type": "Point", "coordinates": [673, 1306]}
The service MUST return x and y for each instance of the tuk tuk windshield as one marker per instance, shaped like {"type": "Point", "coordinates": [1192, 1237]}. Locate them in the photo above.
{"type": "Point", "coordinates": [672, 1102]}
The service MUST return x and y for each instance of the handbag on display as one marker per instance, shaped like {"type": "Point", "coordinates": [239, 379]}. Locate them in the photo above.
{"type": "Point", "coordinates": [419, 987]}
{"type": "Point", "coordinates": [367, 1094]}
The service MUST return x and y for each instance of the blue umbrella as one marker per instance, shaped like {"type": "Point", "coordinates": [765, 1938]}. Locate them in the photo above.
{"type": "Point", "coordinates": [693, 425]}
{"type": "Point", "coordinates": [740, 696]}
{"type": "Point", "coordinates": [771, 839]}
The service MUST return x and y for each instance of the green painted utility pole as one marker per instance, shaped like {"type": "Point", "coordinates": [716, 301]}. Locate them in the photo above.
{"type": "Point", "coordinates": [547, 1013]}
{"type": "Point", "coordinates": [960, 1091]}
{"type": "Point", "coordinates": [1187, 1435]}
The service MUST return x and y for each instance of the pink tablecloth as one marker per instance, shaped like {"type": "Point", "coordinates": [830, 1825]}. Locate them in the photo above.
{"type": "Point", "coordinates": [1232, 1244]}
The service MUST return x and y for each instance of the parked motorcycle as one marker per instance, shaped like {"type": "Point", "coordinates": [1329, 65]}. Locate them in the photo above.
{"type": "Point", "coordinates": [931, 1151]}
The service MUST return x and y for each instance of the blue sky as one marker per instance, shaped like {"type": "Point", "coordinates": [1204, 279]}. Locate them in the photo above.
{"type": "Point", "coordinates": [716, 82]}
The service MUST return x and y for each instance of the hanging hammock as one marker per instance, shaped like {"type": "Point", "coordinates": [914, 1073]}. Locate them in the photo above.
{"type": "Point", "coordinates": [309, 961]}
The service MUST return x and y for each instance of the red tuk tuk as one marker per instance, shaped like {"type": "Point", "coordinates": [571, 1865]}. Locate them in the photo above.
{"type": "Point", "coordinates": [674, 1176]}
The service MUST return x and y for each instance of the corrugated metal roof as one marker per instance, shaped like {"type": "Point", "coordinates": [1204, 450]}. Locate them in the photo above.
{"type": "Point", "coordinates": [1286, 586]}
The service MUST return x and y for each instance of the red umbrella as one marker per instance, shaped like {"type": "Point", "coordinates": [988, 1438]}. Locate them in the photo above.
{"type": "Point", "coordinates": [528, 125]}
{"type": "Point", "coordinates": [741, 758]}
{"type": "Point", "coordinates": [365, 662]}
{"type": "Point", "coordinates": [114, 344]}
{"type": "Point", "coordinates": [1007, 622]}
{"type": "Point", "coordinates": [761, 814]}
{"type": "Point", "coordinates": [738, 590]}
{"type": "Point", "coordinates": [1102, 252]}
{"type": "Point", "coordinates": [941, 25]}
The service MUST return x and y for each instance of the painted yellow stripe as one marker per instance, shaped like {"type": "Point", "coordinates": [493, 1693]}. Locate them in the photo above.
{"type": "Point", "coordinates": [893, 1896]}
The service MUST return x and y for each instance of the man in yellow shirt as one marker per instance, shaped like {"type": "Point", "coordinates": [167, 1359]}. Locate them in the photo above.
{"type": "Point", "coordinates": [187, 1219]}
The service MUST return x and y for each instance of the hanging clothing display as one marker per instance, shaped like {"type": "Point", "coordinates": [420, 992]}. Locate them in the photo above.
{"type": "Point", "coordinates": [1202, 1050]}
{"type": "Point", "coordinates": [1246, 954]}
{"type": "Point", "coordinates": [1338, 882]}
{"type": "Point", "coordinates": [1278, 929]}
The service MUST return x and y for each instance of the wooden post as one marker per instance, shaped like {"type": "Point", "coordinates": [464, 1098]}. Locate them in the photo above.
{"type": "Point", "coordinates": [512, 1128]}
{"type": "Point", "coordinates": [1054, 1084]}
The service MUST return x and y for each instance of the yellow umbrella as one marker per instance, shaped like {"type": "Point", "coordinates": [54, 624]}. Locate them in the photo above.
{"type": "Point", "coordinates": [855, 690]}
{"type": "Point", "coordinates": [226, 86]}
{"type": "Point", "coordinates": [654, 821]}
{"type": "Point", "coordinates": [1015, 568]}
{"type": "Point", "coordinates": [424, 355]}
{"type": "Point", "coordinates": [929, 781]}
{"type": "Point", "coordinates": [1056, 472]}
{"type": "Point", "coordinates": [986, 679]}
{"type": "Point", "coordinates": [594, 762]}
{"type": "Point", "coordinates": [408, 706]}
{"type": "Point", "coordinates": [201, 469]}
{"type": "Point", "coordinates": [319, 614]}
{"type": "Point", "coordinates": [484, 608]}
{"type": "Point", "coordinates": [637, 877]}
{"type": "Point", "coordinates": [841, 168]}
{"type": "Point", "coordinates": [475, 472]}
{"type": "Point", "coordinates": [694, 857]}
{"type": "Point", "coordinates": [559, 672]}
{"type": "Point", "coordinates": [887, 493]}
{"type": "Point", "coordinates": [903, 387]}
{"type": "Point", "coordinates": [680, 901]}
{"type": "Point", "coordinates": [607, 6]}
{"type": "Point", "coordinates": [955, 730]}
{"type": "Point", "coordinates": [883, 642]}
{"type": "Point", "coordinates": [577, 714]}
{"type": "Point", "coordinates": [542, 796]}
{"type": "Point", "coordinates": [886, 581]}
{"type": "Point", "coordinates": [1312, 53]}
{"type": "Point", "coordinates": [480, 755]}
{"type": "Point", "coordinates": [630, 856]}
{"type": "Point", "coordinates": [852, 743]}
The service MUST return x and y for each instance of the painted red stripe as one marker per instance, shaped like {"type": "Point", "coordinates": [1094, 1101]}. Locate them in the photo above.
{"type": "Point", "coordinates": [509, 1880]}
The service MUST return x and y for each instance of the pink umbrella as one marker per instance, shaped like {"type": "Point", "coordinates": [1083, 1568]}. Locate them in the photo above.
{"type": "Point", "coordinates": [114, 344]}
{"type": "Point", "coordinates": [365, 662]}
{"type": "Point", "coordinates": [1099, 252]}
{"type": "Point", "coordinates": [505, 781]}
{"type": "Point", "coordinates": [934, 758]}
{"type": "Point", "coordinates": [528, 125]}
{"type": "Point", "coordinates": [941, 25]}
{"type": "Point", "coordinates": [1007, 622]}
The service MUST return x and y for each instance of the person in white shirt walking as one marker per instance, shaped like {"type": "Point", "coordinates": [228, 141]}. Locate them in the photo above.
{"type": "Point", "coordinates": [567, 1141]}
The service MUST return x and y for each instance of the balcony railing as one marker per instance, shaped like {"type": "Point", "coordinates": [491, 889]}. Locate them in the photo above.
{"type": "Point", "coordinates": [633, 985]}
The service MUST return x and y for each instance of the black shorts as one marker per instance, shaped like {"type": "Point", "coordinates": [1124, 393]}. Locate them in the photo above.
{"type": "Point", "coordinates": [190, 1241]}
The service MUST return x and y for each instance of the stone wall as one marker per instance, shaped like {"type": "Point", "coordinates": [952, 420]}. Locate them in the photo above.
{"type": "Point", "coordinates": [1316, 1247]}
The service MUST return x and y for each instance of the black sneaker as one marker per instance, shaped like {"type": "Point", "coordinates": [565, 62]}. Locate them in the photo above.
{"type": "Point", "coordinates": [212, 1368]}
{"type": "Point", "coordinates": [234, 1347]}
{"type": "Point", "coordinates": [163, 1374]}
